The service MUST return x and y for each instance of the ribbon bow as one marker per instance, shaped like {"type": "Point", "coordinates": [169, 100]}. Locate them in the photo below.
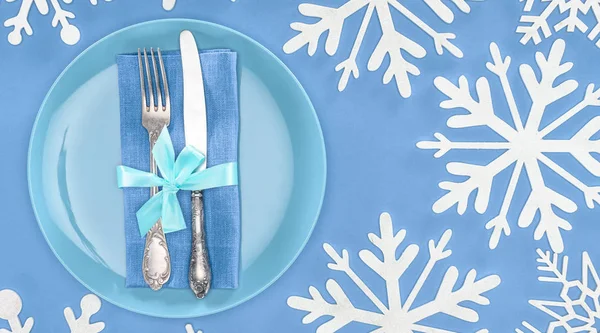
{"type": "Point", "coordinates": [177, 175]}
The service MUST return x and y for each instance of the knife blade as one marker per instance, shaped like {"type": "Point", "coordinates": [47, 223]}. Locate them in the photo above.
{"type": "Point", "coordinates": [194, 116]}
{"type": "Point", "coordinates": [194, 104]}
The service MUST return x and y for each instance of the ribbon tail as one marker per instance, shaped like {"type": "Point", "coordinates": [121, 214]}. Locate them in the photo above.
{"type": "Point", "coordinates": [225, 174]}
{"type": "Point", "coordinates": [172, 217]}
{"type": "Point", "coordinates": [130, 177]}
{"type": "Point", "coordinates": [150, 213]}
{"type": "Point", "coordinates": [164, 154]}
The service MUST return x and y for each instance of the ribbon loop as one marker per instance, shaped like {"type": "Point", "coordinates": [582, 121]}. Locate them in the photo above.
{"type": "Point", "coordinates": [179, 174]}
{"type": "Point", "coordinates": [187, 159]}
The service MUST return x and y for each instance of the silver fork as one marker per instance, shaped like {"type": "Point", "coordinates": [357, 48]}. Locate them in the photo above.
{"type": "Point", "coordinates": [156, 264]}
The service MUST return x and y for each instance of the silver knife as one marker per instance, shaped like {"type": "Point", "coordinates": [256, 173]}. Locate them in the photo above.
{"type": "Point", "coordinates": [194, 116]}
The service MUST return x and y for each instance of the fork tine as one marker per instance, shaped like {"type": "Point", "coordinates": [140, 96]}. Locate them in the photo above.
{"type": "Point", "coordinates": [143, 88]}
{"type": "Point", "coordinates": [159, 104]}
{"type": "Point", "coordinates": [149, 79]}
{"type": "Point", "coordinates": [167, 106]}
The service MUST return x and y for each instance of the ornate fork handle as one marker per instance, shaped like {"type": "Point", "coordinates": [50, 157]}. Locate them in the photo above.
{"type": "Point", "coordinates": [156, 265]}
{"type": "Point", "coordinates": [200, 274]}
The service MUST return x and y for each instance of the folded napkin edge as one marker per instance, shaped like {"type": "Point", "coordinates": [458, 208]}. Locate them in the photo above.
{"type": "Point", "coordinates": [170, 53]}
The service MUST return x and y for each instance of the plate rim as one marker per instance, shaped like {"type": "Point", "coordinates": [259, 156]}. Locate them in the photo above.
{"type": "Point", "coordinates": [322, 152]}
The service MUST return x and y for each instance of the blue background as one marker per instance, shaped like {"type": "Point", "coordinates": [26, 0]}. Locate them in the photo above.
{"type": "Point", "coordinates": [373, 164]}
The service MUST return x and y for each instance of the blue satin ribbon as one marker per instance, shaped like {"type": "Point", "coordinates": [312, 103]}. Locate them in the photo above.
{"type": "Point", "coordinates": [178, 174]}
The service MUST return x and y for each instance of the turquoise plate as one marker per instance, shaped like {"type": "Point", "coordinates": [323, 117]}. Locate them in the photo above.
{"type": "Point", "coordinates": [76, 135]}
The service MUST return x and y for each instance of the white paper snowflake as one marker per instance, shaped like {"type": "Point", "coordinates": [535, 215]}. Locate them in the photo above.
{"type": "Point", "coordinates": [576, 9]}
{"type": "Point", "coordinates": [190, 329]}
{"type": "Point", "coordinates": [525, 145]}
{"type": "Point", "coordinates": [392, 43]}
{"type": "Point", "coordinates": [11, 305]}
{"type": "Point", "coordinates": [20, 23]}
{"type": "Point", "coordinates": [10, 308]}
{"type": "Point", "coordinates": [578, 307]}
{"type": "Point", "coordinates": [69, 33]}
{"type": "Point", "coordinates": [90, 305]}
{"type": "Point", "coordinates": [399, 315]}
{"type": "Point", "coordinates": [168, 4]}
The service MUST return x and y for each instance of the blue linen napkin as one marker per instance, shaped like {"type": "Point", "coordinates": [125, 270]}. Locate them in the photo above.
{"type": "Point", "coordinates": [221, 205]}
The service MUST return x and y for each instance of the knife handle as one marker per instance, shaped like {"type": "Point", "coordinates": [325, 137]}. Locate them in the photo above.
{"type": "Point", "coordinates": [156, 264]}
{"type": "Point", "coordinates": [200, 274]}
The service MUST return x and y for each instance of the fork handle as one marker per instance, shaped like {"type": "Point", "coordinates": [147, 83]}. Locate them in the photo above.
{"type": "Point", "coordinates": [200, 273]}
{"type": "Point", "coordinates": [156, 264]}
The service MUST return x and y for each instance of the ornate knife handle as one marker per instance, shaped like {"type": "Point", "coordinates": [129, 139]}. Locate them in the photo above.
{"type": "Point", "coordinates": [156, 265]}
{"type": "Point", "coordinates": [200, 275]}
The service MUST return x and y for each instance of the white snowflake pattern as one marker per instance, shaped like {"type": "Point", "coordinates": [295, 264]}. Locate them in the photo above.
{"type": "Point", "coordinates": [168, 4]}
{"type": "Point", "coordinates": [69, 33]}
{"type": "Point", "coordinates": [579, 306]}
{"type": "Point", "coordinates": [575, 9]}
{"type": "Point", "coordinates": [190, 329]}
{"type": "Point", "coordinates": [20, 23]}
{"type": "Point", "coordinates": [10, 308]}
{"type": "Point", "coordinates": [90, 305]}
{"type": "Point", "coordinates": [399, 315]}
{"type": "Point", "coordinates": [393, 43]}
{"type": "Point", "coordinates": [525, 145]}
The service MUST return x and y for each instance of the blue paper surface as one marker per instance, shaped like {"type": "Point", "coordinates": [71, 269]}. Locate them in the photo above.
{"type": "Point", "coordinates": [374, 165]}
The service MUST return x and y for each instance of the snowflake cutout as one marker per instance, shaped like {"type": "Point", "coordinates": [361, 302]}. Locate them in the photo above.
{"type": "Point", "coordinates": [11, 305]}
{"type": "Point", "coordinates": [399, 315]}
{"type": "Point", "coordinates": [168, 4]}
{"type": "Point", "coordinates": [190, 329]}
{"type": "Point", "coordinates": [534, 24]}
{"type": "Point", "coordinates": [90, 305]}
{"type": "Point", "coordinates": [524, 145]}
{"type": "Point", "coordinates": [579, 306]}
{"type": "Point", "coordinates": [10, 308]}
{"type": "Point", "coordinates": [69, 33]}
{"type": "Point", "coordinates": [392, 43]}
{"type": "Point", "coordinates": [20, 23]}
